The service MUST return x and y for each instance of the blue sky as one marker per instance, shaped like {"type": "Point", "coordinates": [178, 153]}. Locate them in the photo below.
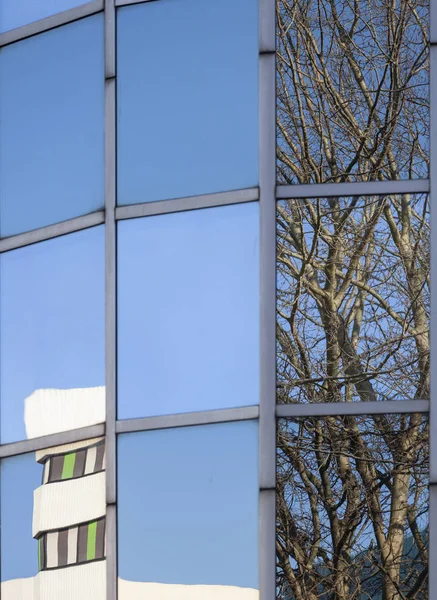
{"type": "Point", "coordinates": [188, 311]}
{"type": "Point", "coordinates": [187, 98]}
{"type": "Point", "coordinates": [188, 505]}
{"type": "Point", "coordinates": [52, 133]}
{"type": "Point", "coordinates": [51, 321]}
{"type": "Point", "coordinates": [20, 475]}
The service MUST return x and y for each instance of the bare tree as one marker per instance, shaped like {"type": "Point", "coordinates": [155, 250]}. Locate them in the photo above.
{"type": "Point", "coordinates": [353, 93]}
{"type": "Point", "coordinates": [353, 299]}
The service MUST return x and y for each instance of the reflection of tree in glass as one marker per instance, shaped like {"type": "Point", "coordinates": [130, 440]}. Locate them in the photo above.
{"type": "Point", "coordinates": [352, 84]}
{"type": "Point", "coordinates": [352, 508]}
{"type": "Point", "coordinates": [353, 299]}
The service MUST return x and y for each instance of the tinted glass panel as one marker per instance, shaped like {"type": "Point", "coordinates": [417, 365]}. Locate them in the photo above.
{"type": "Point", "coordinates": [49, 527]}
{"type": "Point", "coordinates": [187, 98]}
{"type": "Point", "coordinates": [189, 516]}
{"type": "Point", "coordinates": [353, 90]}
{"type": "Point", "coordinates": [51, 138]}
{"type": "Point", "coordinates": [188, 298]}
{"type": "Point", "coordinates": [15, 13]}
{"type": "Point", "coordinates": [352, 507]}
{"type": "Point", "coordinates": [353, 278]}
{"type": "Point", "coordinates": [52, 336]}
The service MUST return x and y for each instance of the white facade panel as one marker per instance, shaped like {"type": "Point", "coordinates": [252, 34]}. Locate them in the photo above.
{"type": "Point", "coordinates": [138, 590]}
{"type": "Point", "coordinates": [87, 582]}
{"type": "Point", "coordinates": [72, 546]}
{"type": "Point", "coordinates": [50, 411]}
{"type": "Point", "coordinates": [83, 582]}
{"type": "Point", "coordinates": [52, 550]}
{"type": "Point", "coordinates": [69, 502]}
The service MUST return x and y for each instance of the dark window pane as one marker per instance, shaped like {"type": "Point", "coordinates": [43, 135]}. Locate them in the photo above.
{"type": "Point", "coordinates": [353, 90]}
{"type": "Point", "coordinates": [40, 541]}
{"type": "Point", "coordinates": [353, 299]}
{"type": "Point", "coordinates": [188, 512]}
{"type": "Point", "coordinates": [187, 98]}
{"type": "Point", "coordinates": [52, 115]}
{"type": "Point", "coordinates": [15, 13]}
{"type": "Point", "coordinates": [188, 311]}
{"type": "Point", "coordinates": [52, 336]}
{"type": "Point", "coordinates": [352, 508]}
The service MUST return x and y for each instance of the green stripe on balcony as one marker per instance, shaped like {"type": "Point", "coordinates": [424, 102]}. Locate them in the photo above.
{"type": "Point", "coordinates": [68, 468]}
{"type": "Point", "coordinates": [91, 542]}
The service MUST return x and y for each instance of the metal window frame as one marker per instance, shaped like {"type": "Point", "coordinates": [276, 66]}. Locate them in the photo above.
{"type": "Point", "coordinates": [56, 20]}
{"type": "Point", "coordinates": [267, 194]}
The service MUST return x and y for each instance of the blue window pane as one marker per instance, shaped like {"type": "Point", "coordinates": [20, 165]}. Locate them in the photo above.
{"type": "Point", "coordinates": [15, 13]}
{"type": "Point", "coordinates": [188, 298]}
{"type": "Point", "coordinates": [188, 512]}
{"type": "Point", "coordinates": [19, 477]}
{"type": "Point", "coordinates": [187, 98]}
{"type": "Point", "coordinates": [53, 534]}
{"type": "Point", "coordinates": [52, 116]}
{"type": "Point", "coordinates": [52, 336]}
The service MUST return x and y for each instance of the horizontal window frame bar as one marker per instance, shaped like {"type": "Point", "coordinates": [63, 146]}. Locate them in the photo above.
{"type": "Point", "coordinates": [55, 439]}
{"type": "Point", "coordinates": [52, 231]}
{"type": "Point", "coordinates": [355, 188]}
{"type": "Point", "coordinates": [133, 211]}
{"type": "Point", "coordinates": [204, 417]}
{"type": "Point", "coordinates": [163, 207]}
{"type": "Point", "coordinates": [130, 2]}
{"type": "Point", "coordinates": [338, 409]}
{"type": "Point", "coordinates": [56, 20]}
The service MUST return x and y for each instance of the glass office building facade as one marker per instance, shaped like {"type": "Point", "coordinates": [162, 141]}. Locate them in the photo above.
{"type": "Point", "coordinates": [215, 300]}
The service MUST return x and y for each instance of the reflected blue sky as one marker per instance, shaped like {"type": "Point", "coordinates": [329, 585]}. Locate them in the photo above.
{"type": "Point", "coordinates": [52, 321]}
{"type": "Point", "coordinates": [188, 311]}
{"type": "Point", "coordinates": [188, 505]}
{"type": "Point", "coordinates": [187, 98]}
{"type": "Point", "coordinates": [52, 126]}
{"type": "Point", "coordinates": [19, 477]}
{"type": "Point", "coordinates": [15, 13]}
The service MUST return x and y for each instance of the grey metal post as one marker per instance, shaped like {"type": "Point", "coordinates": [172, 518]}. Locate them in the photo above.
{"type": "Point", "coordinates": [110, 303]}
{"type": "Point", "coordinates": [267, 181]}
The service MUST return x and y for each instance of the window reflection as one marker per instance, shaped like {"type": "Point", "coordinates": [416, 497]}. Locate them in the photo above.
{"type": "Point", "coordinates": [188, 513]}
{"type": "Point", "coordinates": [353, 90]}
{"type": "Point", "coordinates": [352, 507]}
{"type": "Point", "coordinates": [188, 293]}
{"type": "Point", "coordinates": [53, 528]}
{"type": "Point", "coordinates": [52, 133]}
{"type": "Point", "coordinates": [353, 278]}
{"type": "Point", "coordinates": [187, 97]}
{"type": "Point", "coordinates": [52, 336]}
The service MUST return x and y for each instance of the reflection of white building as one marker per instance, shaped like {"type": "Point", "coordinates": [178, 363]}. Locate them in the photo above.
{"type": "Point", "coordinates": [69, 512]}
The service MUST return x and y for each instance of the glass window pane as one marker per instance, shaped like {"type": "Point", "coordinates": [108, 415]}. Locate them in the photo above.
{"type": "Point", "coordinates": [352, 90]}
{"type": "Point", "coordinates": [187, 98]}
{"type": "Point", "coordinates": [188, 302]}
{"type": "Point", "coordinates": [352, 507]}
{"type": "Point", "coordinates": [52, 115]}
{"type": "Point", "coordinates": [15, 13]}
{"type": "Point", "coordinates": [193, 518]}
{"type": "Point", "coordinates": [52, 534]}
{"type": "Point", "coordinates": [52, 336]}
{"type": "Point", "coordinates": [353, 299]}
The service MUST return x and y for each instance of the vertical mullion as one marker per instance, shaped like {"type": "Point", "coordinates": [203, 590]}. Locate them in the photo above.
{"type": "Point", "coordinates": [110, 295]}
{"type": "Point", "coordinates": [267, 183]}
{"type": "Point", "coordinates": [432, 557]}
